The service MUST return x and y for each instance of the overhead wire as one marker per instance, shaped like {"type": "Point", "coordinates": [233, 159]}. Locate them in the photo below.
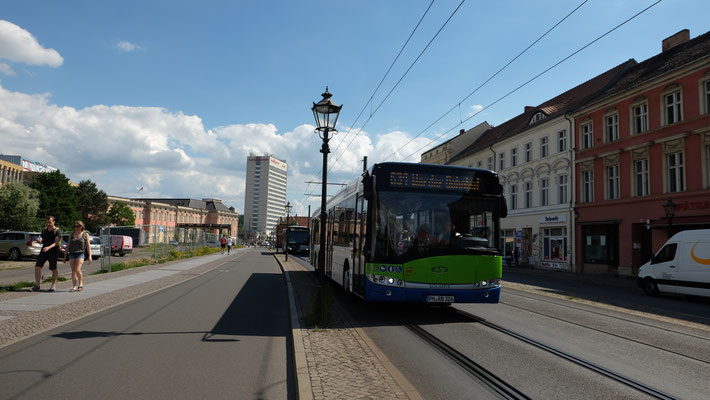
{"type": "Point", "coordinates": [535, 77]}
{"type": "Point", "coordinates": [400, 80]}
{"type": "Point", "coordinates": [369, 102]}
{"type": "Point", "coordinates": [489, 79]}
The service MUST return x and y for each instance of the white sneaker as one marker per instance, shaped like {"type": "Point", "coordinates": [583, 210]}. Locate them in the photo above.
{"type": "Point", "coordinates": [51, 288]}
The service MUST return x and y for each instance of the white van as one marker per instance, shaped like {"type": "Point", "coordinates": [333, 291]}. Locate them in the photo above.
{"type": "Point", "coordinates": [681, 266]}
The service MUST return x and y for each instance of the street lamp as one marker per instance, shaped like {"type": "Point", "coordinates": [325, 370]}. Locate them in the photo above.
{"type": "Point", "coordinates": [669, 208]}
{"type": "Point", "coordinates": [287, 207]}
{"type": "Point", "coordinates": [326, 113]}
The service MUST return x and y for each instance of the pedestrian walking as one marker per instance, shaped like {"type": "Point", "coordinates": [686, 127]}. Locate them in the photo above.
{"type": "Point", "coordinates": [517, 257]}
{"type": "Point", "coordinates": [51, 238]}
{"type": "Point", "coordinates": [78, 248]}
{"type": "Point", "coordinates": [229, 245]}
{"type": "Point", "coordinates": [223, 244]}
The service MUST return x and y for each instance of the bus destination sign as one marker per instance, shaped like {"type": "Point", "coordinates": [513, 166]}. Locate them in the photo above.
{"type": "Point", "coordinates": [420, 180]}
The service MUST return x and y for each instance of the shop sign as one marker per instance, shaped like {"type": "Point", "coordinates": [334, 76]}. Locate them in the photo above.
{"type": "Point", "coordinates": [554, 265]}
{"type": "Point", "coordinates": [553, 219]}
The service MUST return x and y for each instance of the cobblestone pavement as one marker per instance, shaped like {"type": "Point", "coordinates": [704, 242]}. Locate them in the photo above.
{"type": "Point", "coordinates": [340, 361]}
{"type": "Point", "coordinates": [18, 325]}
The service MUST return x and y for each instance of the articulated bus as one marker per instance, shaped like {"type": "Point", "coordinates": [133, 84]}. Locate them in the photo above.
{"type": "Point", "coordinates": [406, 232]}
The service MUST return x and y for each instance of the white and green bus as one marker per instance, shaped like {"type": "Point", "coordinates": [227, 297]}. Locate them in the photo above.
{"type": "Point", "coordinates": [404, 232]}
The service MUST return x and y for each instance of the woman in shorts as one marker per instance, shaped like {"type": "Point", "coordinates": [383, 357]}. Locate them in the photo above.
{"type": "Point", "coordinates": [78, 248]}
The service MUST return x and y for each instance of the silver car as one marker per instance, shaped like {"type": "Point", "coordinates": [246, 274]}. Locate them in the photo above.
{"type": "Point", "coordinates": [17, 244]}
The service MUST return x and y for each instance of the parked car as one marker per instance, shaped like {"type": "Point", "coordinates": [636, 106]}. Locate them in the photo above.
{"type": "Point", "coordinates": [17, 244]}
{"type": "Point", "coordinates": [121, 245]}
{"type": "Point", "coordinates": [680, 266]}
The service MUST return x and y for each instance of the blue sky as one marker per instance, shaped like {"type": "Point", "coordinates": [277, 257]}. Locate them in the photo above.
{"type": "Point", "coordinates": [173, 95]}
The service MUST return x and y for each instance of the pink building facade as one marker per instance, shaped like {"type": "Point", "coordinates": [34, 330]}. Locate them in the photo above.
{"type": "Point", "coordinates": [644, 144]}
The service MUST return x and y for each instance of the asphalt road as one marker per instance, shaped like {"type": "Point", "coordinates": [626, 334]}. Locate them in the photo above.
{"type": "Point", "coordinates": [223, 334]}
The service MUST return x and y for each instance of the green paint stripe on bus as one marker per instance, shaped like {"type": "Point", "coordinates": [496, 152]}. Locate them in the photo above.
{"type": "Point", "coordinates": [456, 269]}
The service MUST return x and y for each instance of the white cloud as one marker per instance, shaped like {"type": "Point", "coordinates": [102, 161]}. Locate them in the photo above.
{"type": "Point", "coordinates": [170, 154]}
{"type": "Point", "coordinates": [6, 69]}
{"type": "Point", "coordinates": [128, 47]}
{"type": "Point", "coordinates": [476, 108]}
{"type": "Point", "coordinates": [18, 45]}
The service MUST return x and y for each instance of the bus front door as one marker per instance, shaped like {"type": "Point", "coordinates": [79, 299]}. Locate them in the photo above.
{"type": "Point", "coordinates": [358, 275]}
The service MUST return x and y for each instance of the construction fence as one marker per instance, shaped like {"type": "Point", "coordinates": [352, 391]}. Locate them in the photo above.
{"type": "Point", "coordinates": [150, 241]}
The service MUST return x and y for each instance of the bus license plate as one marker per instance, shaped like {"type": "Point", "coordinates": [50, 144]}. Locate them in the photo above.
{"type": "Point", "coordinates": [440, 299]}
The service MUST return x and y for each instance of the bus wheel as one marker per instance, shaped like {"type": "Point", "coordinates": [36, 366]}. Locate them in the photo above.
{"type": "Point", "coordinates": [650, 287]}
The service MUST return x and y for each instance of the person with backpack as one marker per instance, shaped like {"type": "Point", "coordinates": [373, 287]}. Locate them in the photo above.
{"type": "Point", "coordinates": [78, 248]}
{"type": "Point", "coordinates": [223, 243]}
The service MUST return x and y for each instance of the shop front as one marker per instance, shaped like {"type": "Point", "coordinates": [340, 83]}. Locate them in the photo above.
{"type": "Point", "coordinates": [554, 251]}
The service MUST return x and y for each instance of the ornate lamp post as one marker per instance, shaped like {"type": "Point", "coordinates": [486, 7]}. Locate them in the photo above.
{"type": "Point", "coordinates": [287, 207]}
{"type": "Point", "coordinates": [669, 208]}
{"type": "Point", "coordinates": [326, 113]}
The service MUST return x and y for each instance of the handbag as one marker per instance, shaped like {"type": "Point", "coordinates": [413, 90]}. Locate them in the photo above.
{"type": "Point", "coordinates": [86, 245]}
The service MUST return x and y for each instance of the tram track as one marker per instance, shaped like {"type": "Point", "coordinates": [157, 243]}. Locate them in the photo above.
{"type": "Point", "coordinates": [496, 384]}
{"type": "Point", "coordinates": [648, 390]}
{"type": "Point", "coordinates": [613, 334]}
{"type": "Point", "coordinates": [604, 315]}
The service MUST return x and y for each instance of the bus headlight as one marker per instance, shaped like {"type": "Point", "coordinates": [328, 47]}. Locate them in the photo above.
{"type": "Point", "coordinates": [390, 281]}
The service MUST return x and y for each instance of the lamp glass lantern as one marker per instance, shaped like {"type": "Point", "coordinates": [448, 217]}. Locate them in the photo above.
{"type": "Point", "coordinates": [669, 208]}
{"type": "Point", "coordinates": [326, 112]}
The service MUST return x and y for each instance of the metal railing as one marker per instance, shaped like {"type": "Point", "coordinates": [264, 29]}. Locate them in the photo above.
{"type": "Point", "coordinates": [150, 241]}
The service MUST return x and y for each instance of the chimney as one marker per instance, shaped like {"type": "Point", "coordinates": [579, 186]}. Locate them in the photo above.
{"type": "Point", "coordinates": [673, 41]}
{"type": "Point", "coordinates": [462, 131]}
{"type": "Point", "coordinates": [528, 108]}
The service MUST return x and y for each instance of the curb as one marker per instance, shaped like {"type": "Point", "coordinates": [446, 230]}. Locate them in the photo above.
{"type": "Point", "coordinates": [303, 380]}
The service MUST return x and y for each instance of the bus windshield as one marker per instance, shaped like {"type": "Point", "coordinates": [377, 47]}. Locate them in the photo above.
{"type": "Point", "coordinates": [297, 236]}
{"type": "Point", "coordinates": [415, 224]}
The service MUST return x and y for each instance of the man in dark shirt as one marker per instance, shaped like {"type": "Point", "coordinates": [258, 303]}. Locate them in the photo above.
{"type": "Point", "coordinates": [51, 239]}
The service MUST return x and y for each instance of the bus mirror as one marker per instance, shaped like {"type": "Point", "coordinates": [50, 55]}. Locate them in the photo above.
{"type": "Point", "coordinates": [503, 204]}
{"type": "Point", "coordinates": [368, 183]}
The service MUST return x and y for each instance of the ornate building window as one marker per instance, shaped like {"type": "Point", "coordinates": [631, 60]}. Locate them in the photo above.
{"type": "Point", "coordinates": [612, 182]}
{"type": "Point", "coordinates": [562, 189]}
{"type": "Point", "coordinates": [672, 106]}
{"type": "Point", "coordinates": [611, 127]}
{"type": "Point", "coordinates": [639, 116]}
{"type": "Point", "coordinates": [587, 186]}
{"type": "Point", "coordinates": [544, 191]}
{"type": "Point", "coordinates": [528, 152]}
{"type": "Point", "coordinates": [587, 135]}
{"type": "Point", "coordinates": [561, 141]}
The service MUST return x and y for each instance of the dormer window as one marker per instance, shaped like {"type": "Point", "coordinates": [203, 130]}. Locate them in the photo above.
{"type": "Point", "coordinates": [539, 116]}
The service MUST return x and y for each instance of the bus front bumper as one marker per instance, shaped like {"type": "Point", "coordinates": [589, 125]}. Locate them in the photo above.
{"type": "Point", "coordinates": [379, 293]}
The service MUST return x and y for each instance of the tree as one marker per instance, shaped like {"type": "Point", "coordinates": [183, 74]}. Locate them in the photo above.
{"type": "Point", "coordinates": [121, 215]}
{"type": "Point", "coordinates": [93, 205]}
{"type": "Point", "coordinates": [18, 207]}
{"type": "Point", "coordinates": [57, 198]}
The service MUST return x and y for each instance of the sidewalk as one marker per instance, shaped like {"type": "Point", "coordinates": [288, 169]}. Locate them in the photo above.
{"type": "Point", "coordinates": [24, 314]}
{"type": "Point", "coordinates": [339, 362]}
